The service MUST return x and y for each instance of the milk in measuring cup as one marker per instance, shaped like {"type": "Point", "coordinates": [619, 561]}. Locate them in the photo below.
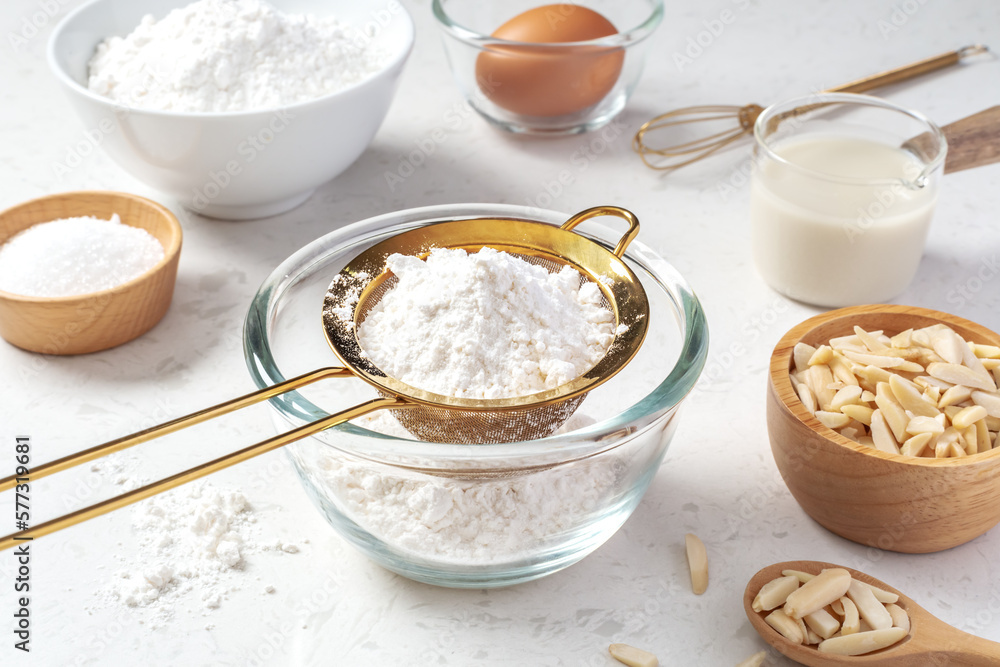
{"type": "Point", "coordinates": [838, 220]}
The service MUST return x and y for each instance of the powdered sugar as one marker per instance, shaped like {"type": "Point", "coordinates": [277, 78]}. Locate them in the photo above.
{"type": "Point", "coordinates": [194, 545]}
{"type": "Point", "coordinates": [468, 521]}
{"type": "Point", "coordinates": [231, 55]}
{"type": "Point", "coordinates": [485, 325]}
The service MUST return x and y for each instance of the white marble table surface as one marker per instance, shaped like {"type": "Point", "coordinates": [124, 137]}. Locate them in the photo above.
{"type": "Point", "coordinates": [331, 606]}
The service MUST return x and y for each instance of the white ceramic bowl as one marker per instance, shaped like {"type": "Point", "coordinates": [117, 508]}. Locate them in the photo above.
{"type": "Point", "coordinates": [242, 164]}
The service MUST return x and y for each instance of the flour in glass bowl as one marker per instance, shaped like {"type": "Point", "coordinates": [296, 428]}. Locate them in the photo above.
{"type": "Point", "coordinates": [231, 55]}
{"type": "Point", "coordinates": [467, 521]}
{"type": "Point", "coordinates": [477, 325]}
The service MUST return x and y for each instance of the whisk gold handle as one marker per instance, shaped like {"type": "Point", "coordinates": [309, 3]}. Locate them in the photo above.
{"type": "Point", "coordinates": [197, 472]}
{"type": "Point", "coordinates": [909, 71]}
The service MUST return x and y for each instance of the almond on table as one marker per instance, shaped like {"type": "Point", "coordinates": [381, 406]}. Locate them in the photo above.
{"type": "Point", "coordinates": [919, 393]}
{"type": "Point", "coordinates": [632, 656]}
{"type": "Point", "coordinates": [697, 558]}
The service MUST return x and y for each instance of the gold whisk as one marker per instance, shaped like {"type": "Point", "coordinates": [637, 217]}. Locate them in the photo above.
{"type": "Point", "coordinates": [674, 157]}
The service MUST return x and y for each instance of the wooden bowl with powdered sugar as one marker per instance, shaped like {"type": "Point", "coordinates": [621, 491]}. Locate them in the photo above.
{"type": "Point", "coordinates": [102, 318]}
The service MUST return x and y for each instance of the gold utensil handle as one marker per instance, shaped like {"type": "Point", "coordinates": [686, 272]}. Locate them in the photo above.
{"type": "Point", "coordinates": [909, 71]}
{"type": "Point", "coordinates": [220, 463]}
{"type": "Point", "coordinates": [617, 211]}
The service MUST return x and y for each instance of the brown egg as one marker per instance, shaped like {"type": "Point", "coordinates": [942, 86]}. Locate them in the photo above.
{"type": "Point", "coordinates": [546, 81]}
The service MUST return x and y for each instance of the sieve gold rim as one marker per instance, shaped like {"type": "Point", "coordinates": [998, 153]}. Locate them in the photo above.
{"type": "Point", "coordinates": [559, 244]}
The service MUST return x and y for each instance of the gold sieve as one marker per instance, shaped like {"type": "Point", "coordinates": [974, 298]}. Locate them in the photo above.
{"type": "Point", "coordinates": [429, 416]}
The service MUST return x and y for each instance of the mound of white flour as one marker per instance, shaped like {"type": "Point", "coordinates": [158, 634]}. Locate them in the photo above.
{"type": "Point", "coordinates": [485, 325]}
{"type": "Point", "coordinates": [193, 547]}
{"type": "Point", "coordinates": [231, 55]}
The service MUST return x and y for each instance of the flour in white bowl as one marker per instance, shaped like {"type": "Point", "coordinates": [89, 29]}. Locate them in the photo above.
{"type": "Point", "coordinates": [486, 325]}
{"type": "Point", "coordinates": [231, 55]}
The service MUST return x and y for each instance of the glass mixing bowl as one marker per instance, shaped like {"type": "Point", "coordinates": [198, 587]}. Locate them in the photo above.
{"type": "Point", "coordinates": [473, 516]}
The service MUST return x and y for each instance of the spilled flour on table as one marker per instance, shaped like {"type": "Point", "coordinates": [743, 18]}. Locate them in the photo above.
{"type": "Point", "coordinates": [195, 547]}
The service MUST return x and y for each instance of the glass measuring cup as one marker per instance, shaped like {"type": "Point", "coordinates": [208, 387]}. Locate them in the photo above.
{"type": "Point", "coordinates": [842, 194]}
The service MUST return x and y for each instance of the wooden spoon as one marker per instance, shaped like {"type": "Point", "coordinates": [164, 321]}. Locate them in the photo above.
{"type": "Point", "coordinates": [931, 641]}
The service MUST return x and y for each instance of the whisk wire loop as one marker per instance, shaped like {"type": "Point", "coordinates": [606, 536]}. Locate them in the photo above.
{"type": "Point", "coordinates": [679, 155]}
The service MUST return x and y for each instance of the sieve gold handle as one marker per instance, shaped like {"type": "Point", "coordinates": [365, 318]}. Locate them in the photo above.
{"type": "Point", "coordinates": [617, 211]}
{"type": "Point", "coordinates": [197, 472]}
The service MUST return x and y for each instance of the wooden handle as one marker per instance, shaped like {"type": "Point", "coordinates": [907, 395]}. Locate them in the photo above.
{"type": "Point", "coordinates": [973, 141]}
{"type": "Point", "coordinates": [950, 646]}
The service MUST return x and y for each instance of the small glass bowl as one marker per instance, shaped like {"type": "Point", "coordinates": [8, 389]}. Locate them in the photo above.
{"type": "Point", "coordinates": [468, 24]}
{"type": "Point", "coordinates": [473, 516]}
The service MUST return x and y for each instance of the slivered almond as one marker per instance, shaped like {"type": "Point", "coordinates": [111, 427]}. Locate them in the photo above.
{"type": "Point", "coordinates": [801, 354]}
{"type": "Point", "coordinates": [827, 586]}
{"type": "Point", "coordinates": [983, 443]}
{"type": "Point", "coordinates": [954, 395]}
{"type": "Point", "coordinates": [907, 394]}
{"type": "Point", "coordinates": [833, 420]}
{"type": "Point", "coordinates": [849, 395]}
{"type": "Point", "coordinates": [882, 434]}
{"type": "Point", "coordinates": [869, 608]}
{"type": "Point", "coordinates": [806, 396]}
{"type": "Point", "coordinates": [900, 619]}
{"type": "Point", "coordinates": [880, 594]}
{"type": "Point", "coordinates": [822, 623]}
{"type": "Point", "coordinates": [632, 656]}
{"type": "Point", "coordinates": [786, 626]}
{"type": "Point", "coordinates": [803, 577]}
{"type": "Point", "coordinates": [969, 439]}
{"type": "Point", "coordinates": [956, 374]}
{"type": "Point", "coordinates": [848, 341]}
{"type": "Point", "coordinates": [837, 607]}
{"type": "Point", "coordinates": [774, 593]}
{"type": "Point", "coordinates": [697, 558]}
{"type": "Point", "coordinates": [948, 345]}
{"type": "Point", "coordinates": [862, 642]}
{"type": "Point", "coordinates": [915, 446]}
{"type": "Point", "coordinates": [990, 401]}
{"type": "Point", "coordinates": [870, 341]}
{"type": "Point", "coordinates": [862, 413]}
{"type": "Point", "coordinates": [985, 351]}
{"type": "Point", "coordinates": [852, 621]}
{"type": "Point", "coordinates": [892, 411]}
{"type": "Point", "coordinates": [822, 355]}
{"type": "Point", "coordinates": [873, 374]}
{"type": "Point", "coordinates": [968, 416]}
{"type": "Point", "coordinates": [974, 363]}
{"type": "Point", "coordinates": [756, 660]}
{"type": "Point", "coordinates": [877, 360]}
{"type": "Point", "coordinates": [934, 425]}
{"type": "Point", "coordinates": [928, 381]}
{"type": "Point", "coordinates": [842, 371]}
{"type": "Point", "coordinates": [818, 378]}
{"type": "Point", "coordinates": [903, 339]}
